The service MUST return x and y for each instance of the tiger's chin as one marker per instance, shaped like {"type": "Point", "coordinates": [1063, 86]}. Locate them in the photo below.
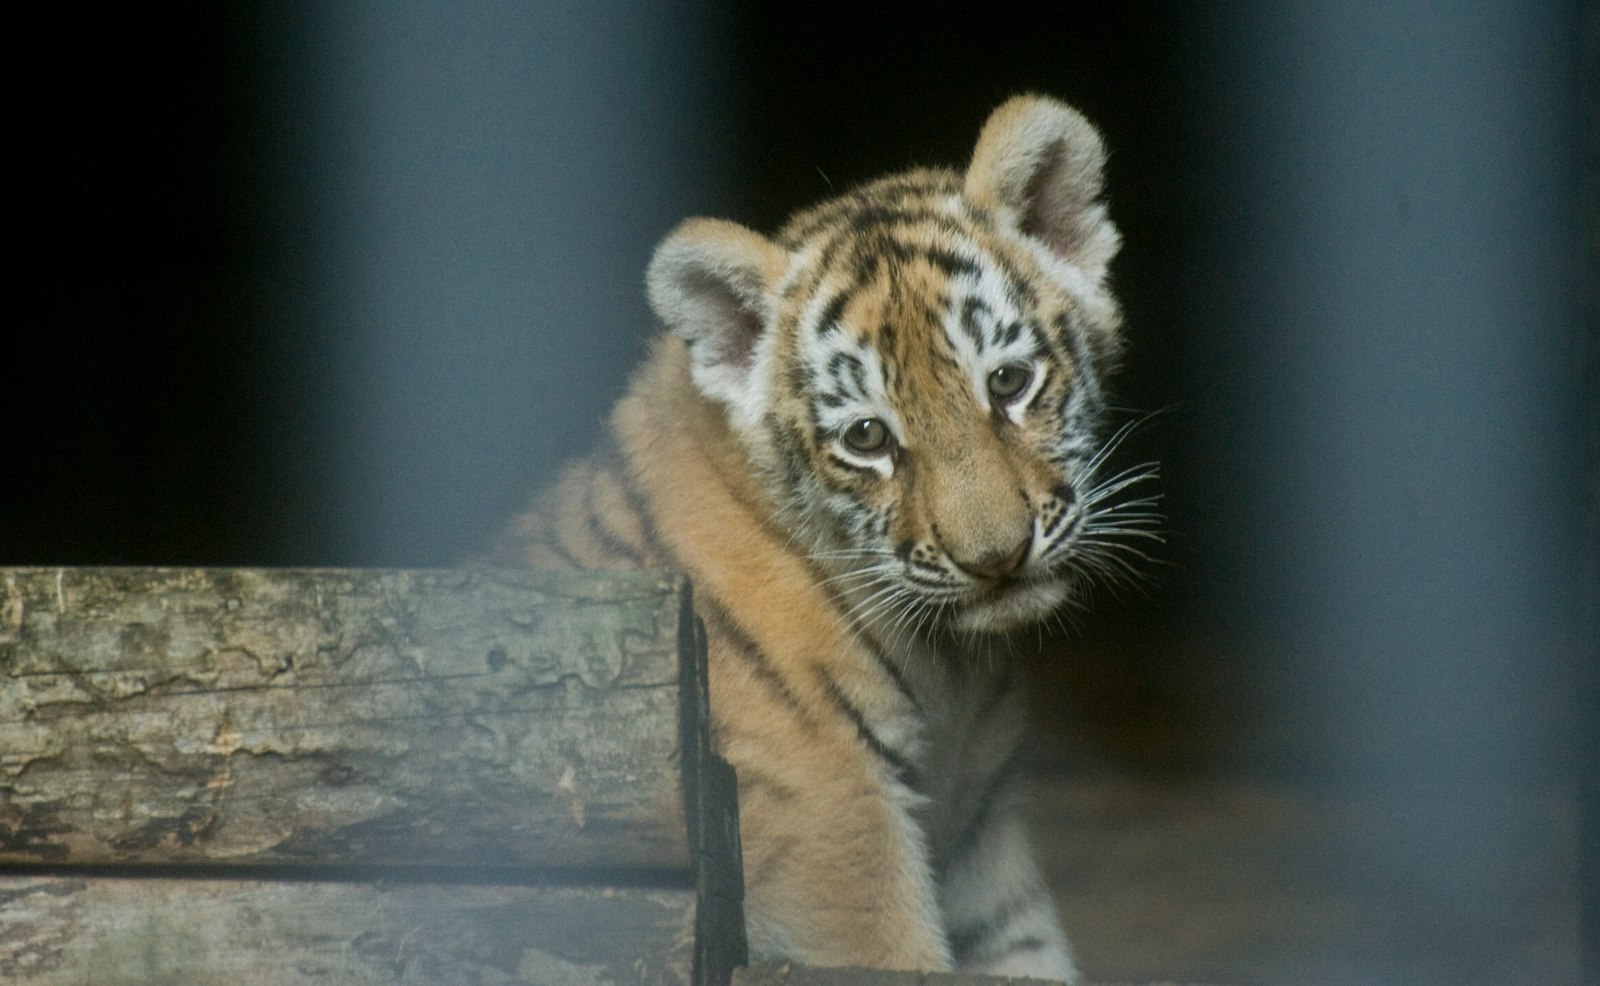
{"type": "Point", "coordinates": [1018, 605]}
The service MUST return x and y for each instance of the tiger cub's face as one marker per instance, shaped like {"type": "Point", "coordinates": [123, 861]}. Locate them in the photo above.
{"type": "Point", "coordinates": [915, 371]}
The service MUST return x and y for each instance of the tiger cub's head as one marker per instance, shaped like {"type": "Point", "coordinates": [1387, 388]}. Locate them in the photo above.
{"type": "Point", "coordinates": [914, 369]}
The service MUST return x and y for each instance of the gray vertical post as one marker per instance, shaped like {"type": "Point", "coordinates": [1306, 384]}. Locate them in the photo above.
{"type": "Point", "coordinates": [476, 188]}
{"type": "Point", "coordinates": [1589, 693]}
{"type": "Point", "coordinates": [1400, 365]}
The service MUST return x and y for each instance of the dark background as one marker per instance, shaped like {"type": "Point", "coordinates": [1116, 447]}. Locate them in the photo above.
{"type": "Point", "coordinates": [341, 285]}
{"type": "Point", "coordinates": [178, 379]}
{"type": "Point", "coordinates": [161, 205]}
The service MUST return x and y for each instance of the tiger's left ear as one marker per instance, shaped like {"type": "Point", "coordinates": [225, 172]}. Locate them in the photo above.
{"type": "Point", "coordinates": [1039, 162]}
{"type": "Point", "coordinates": [712, 283]}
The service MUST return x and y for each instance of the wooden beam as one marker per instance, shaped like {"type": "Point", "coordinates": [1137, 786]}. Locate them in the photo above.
{"type": "Point", "coordinates": [66, 931]}
{"type": "Point", "coordinates": [437, 718]}
{"type": "Point", "coordinates": [788, 974]}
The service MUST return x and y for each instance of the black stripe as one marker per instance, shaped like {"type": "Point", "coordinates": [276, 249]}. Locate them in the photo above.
{"type": "Point", "coordinates": [845, 368]}
{"type": "Point", "coordinates": [1021, 292]}
{"type": "Point", "coordinates": [553, 542]}
{"type": "Point", "coordinates": [801, 377]}
{"type": "Point", "coordinates": [1054, 527]}
{"type": "Point", "coordinates": [1069, 337]}
{"type": "Point", "coordinates": [610, 540]}
{"type": "Point", "coordinates": [902, 768]}
{"type": "Point", "coordinates": [833, 310]}
{"type": "Point", "coordinates": [948, 261]}
{"type": "Point", "coordinates": [964, 942]}
{"type": "Point", "coordinates": [1004, 687]}
{"type": "Point", "coordinates": [951, 262]}
{"type": "Point", "coordinates": [977, 215]}
{"type": "Point", "coordinates": [1072, 337]}
{"type": "Point", "coordinates": [895, 674]}
{"type": "Point", "coordinates": [775, 853]}
{"type": "Point", "coordinates": [926, 309]}
{"type": "Point", "coordinates": [1065, 496]}
{"type": "Point", "coordinates": [610, 458]}
{"type": "Point", "coordinates": [970, 833]}
{"type": "Point", "coordinates": [755, 658]}
{"type": "Point", "coordinates": [970, 309]}
{"type": "Point", "coordinates": [792, 447]}
{"type": "Point", "coordinates": [890, 215]}
{"type": "Point", "coordinates": [828, 321]}
{"type": "Point", "coordinates": [751, 779]}
{"type": "Point", "coordinates": [887, 194]}
{"type": "Point", "coordinates": [944, 358]}
{"type": "Point", "coordinates": [824, 262]}
{"type": "Point", "coordinates": [1027, 943]}
{"type": "Point", "coordinates": [1064, 408]}
{"type": "Point", "coordinates": [874, 650]}
{"type": "Point", "coordinates": [854, 226]}
{"type": "Point", "coordinates": [888, 338]}
{"type": "Point", "coordinates": [865, 639]}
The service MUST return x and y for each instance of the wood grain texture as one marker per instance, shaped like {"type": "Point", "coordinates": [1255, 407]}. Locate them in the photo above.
{"type": "Point", "coordinates": [56, 931]}
{"type": "Point", "coordinates": [448, 718]}
{"type": "Point", "coordinates": [787, 974]}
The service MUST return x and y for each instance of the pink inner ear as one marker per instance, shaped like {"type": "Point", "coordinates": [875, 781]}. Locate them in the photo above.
{"type": "Point", "coordinates": [729, 328]}
{"type": "Point", "coordinates": [1054, 212]}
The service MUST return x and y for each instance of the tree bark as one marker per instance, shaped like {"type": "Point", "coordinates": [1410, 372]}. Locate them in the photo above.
{"type": "Point", "coordinates": [63, 931]}
{"type": "Point", "coordinates": [443, 718]}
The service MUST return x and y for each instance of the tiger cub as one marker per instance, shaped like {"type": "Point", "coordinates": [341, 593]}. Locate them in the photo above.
{"type": "Point", "coordinates": [872, 441]}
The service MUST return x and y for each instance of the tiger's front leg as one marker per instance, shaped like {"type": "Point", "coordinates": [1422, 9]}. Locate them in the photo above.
{"type": "Point", "coordinates": [836, 873]}
{"type": "Point", "coordinates": [999, 911]}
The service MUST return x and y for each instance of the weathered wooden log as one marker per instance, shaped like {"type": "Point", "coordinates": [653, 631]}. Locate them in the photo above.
{"type": "Point", "coordinates": [451, 718]}
{"type": "Point", "coordinates": [56, 931]}
{"type": "Point", "coordinates": [788, 974]}
{"type": "Point", "coordinates": [216, 732]}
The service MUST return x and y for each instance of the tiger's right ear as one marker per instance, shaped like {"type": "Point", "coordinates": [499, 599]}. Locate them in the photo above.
{"type": "Point", "coordinates": [713, 283]}
{"type": "Point", "coordinates": [1043, 165]}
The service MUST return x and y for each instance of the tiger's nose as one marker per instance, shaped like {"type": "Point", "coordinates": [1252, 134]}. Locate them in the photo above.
{"type": "Point", "coordinates": [999, 565]}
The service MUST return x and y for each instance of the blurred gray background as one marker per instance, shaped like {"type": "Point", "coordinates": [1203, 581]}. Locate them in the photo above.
{"type": "Point", "coordinates": [343, 283]}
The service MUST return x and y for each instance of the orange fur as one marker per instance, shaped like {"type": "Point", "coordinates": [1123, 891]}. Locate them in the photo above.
{"type": "Point", "coordinates": [875, 765]}
{"type": "Point", "coordinates": [718, 523]}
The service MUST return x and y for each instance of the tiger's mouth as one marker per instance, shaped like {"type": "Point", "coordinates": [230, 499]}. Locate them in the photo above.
{"type": "Point", "coordinates": [1013, 602]}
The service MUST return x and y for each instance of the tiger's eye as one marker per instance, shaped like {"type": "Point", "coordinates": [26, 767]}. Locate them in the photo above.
{"type": "Point", "coordinates": [1010, 380]}
{"type": "Point", "coordinates": [867, 436]}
